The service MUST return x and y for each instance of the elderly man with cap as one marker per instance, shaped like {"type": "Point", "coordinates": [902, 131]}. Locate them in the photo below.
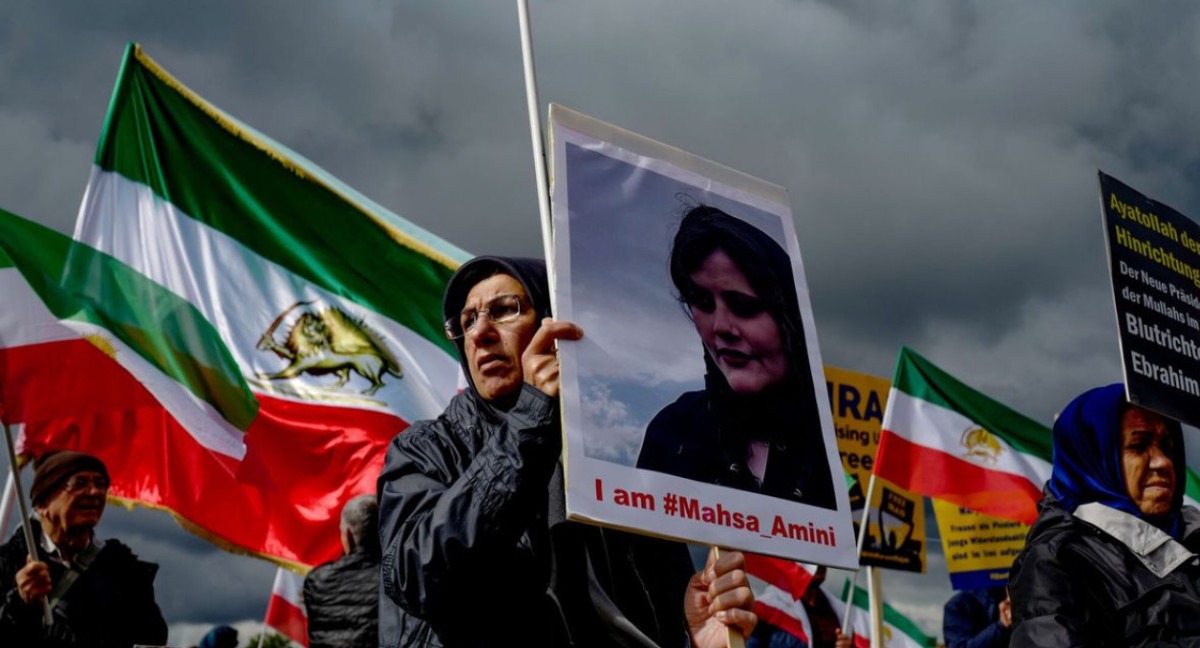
{"type": "Point", "coordinates": [100, 593]}
{"type": "Point", "coordinates": [477, 550]}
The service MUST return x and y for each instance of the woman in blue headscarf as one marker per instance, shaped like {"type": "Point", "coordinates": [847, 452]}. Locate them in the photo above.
{"type": "Point", "coordinates": [1111, 560]}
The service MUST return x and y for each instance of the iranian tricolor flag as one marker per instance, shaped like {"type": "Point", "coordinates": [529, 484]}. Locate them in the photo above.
{"type": "Point", "coordinates": [285, 608]}
{"type": "Point", "coordinates": [898, 630]}
{"type": "Point", "coordinates": [943, 439]}
{"type": "Point", "coordinates": [778, 586]}
{"type": "Point", "coordinates": [326, 306]}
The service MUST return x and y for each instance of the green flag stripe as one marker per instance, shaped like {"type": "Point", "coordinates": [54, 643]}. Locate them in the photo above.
{"type": "Point", "coordinates": [1192, 487]}
{"type": "Point", "coordinates": [160, 134]}
{"type": "Point", "coordinates": [921, 379]}
{"type": "Point", "coordinates": [890, 616]}
{"type": "Point", "coordinates": [79, 283]}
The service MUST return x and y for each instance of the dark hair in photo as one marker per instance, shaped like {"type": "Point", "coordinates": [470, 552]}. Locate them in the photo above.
{"type": "Point", "coordinates": [767, 267]}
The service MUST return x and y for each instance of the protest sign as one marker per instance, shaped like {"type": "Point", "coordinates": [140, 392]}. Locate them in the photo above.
{"type": "Point", "coordinates": [896, 517]}
{"type": "Point", "coordinates": [693, 406]}
{"type": "Point", "coordinates": [980, 549]}
{"type": "Point", "coordinates": [1154, 257]}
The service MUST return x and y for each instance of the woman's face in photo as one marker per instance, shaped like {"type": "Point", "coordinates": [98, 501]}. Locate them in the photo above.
{"type": "Point", "coordinates": [735, 326]}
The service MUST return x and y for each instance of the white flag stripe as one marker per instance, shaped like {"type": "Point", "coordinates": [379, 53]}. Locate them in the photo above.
{"type": "Point", "coordinates": [126, 220]}
{"type": "Point", "coordinates": [30, 322]}
{"type": "Point", "coordinates": [933, 426]}
{"type": "Point", "coordinates": [774, 597]}
{"type": "Point", "coordinates": [289, 586]}
{"type": "Point", "coordinates": [24, 319]}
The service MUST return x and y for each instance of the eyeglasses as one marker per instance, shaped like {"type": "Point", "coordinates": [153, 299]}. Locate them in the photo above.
{"type": "Point", "coordinates": [80, 483]}
{"type": "Point", "coordinates": [499, 310]}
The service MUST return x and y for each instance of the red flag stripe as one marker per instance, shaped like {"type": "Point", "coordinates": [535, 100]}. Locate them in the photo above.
{"type": "Point", "coordinates": [287, 619]}
{"type": "Point", "coordinates": [950, 478]}
{"type": "Point", "coordinates": [70, 395]}
{"type": "Point", "coordinates": [791, 577]}
{"type": "Point", "coordinates": [780, 619]}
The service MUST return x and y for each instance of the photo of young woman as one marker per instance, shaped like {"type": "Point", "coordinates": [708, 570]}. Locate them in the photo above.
{"type": "Point", "coordinates": [755, 425]}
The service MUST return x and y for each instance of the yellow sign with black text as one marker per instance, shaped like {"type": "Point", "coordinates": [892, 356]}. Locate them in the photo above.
{"type": "Point", "coordinates": [980, 549]}
{"type": "Point", "coordinates": [896, 517]}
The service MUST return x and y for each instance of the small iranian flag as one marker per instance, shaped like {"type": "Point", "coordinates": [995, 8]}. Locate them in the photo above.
{"type": "Point", "coordinates": [285, 609]}
{"type": "Point", "coordinates": [294, 327]}
{"type": "Point", "coordinates": [945, 440]}
{"type": "Point", "coordinates": [898, 630]}
{"type": "Point", "coordinates": [778, 586]}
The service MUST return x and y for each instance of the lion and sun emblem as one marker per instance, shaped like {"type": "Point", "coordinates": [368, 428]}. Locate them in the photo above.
{"type": "Point", "coordinates": [981, 444]}
{"type": "Point", "coordinates": [325, 341]}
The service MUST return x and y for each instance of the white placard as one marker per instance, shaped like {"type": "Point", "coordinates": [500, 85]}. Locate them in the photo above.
{"type": "Point", "coordinates": [757, 464]}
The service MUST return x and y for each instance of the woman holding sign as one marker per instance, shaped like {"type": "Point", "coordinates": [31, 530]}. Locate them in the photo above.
{"type": "Point", "coordinates": [1110, 560]}
{"type": "Point", "coordinates": [755, 425]}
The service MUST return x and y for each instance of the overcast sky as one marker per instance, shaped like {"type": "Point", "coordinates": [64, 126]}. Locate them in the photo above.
{"type": "Point", "coordinates": [941, 156]}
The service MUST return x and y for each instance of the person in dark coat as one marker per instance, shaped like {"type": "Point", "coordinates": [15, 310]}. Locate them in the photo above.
{"type": "Point", "coordinates": [978, 618]}
{"type": "Point", "coordinates": [755, 424]}
{"type": "Point", "coordinates": [341, 597]}
{"type": "Point", "coordinates": [100, 593]}
{"type": "Point", "coordinates": [1111, 559]}
{"type": "Point", "coordinates": [476, 547]}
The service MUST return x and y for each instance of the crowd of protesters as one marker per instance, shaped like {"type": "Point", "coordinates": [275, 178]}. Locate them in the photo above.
{"type": "Point", "coordinates": [467, 542]}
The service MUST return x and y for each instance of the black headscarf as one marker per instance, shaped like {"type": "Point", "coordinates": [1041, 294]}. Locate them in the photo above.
{"type": "Point", "coordinates": [765, 264]}
{"type": "Point", "coordinates": [768, 270]}
{"type": "Point", "coordinates": [530, 273]}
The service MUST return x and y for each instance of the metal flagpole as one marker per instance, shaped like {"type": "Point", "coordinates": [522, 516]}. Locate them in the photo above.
{"type": "Point", "coordinates": [30, 542]}
{"type": "Point", "coordinates": [543, 186]}
{"type": "Point", "coordinates": [875, 605]}
{"type": "Point", "coordinates": [862, 538]}
{"type": "Point", "coordinates": [7, 501]}
{"type": "Point", "coordinates": [539, 144]}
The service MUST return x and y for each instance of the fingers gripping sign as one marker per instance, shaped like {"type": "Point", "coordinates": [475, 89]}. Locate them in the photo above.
{"type": "Point", "coordinates": [539, 361]}
{"type": "Point", "coordinates": [718, 601]}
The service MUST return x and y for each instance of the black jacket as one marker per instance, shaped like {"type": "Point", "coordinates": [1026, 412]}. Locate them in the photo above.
{"type": "Point", "coordinates": [342, 602]}
{"type": "Point", "coordinates": [476, 552]}
{"type": "Point", "coordinates": [1101, 577]}
{"type": "Point", "coordinates": [111, 605]}
{"type": "Point", "coordinates": [690, 439]}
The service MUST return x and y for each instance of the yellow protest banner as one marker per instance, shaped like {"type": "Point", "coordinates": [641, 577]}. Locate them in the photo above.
{"type": "Point", "coordinates": [896, 517]}
{"type": "Point", "coordinates": [980, 549]}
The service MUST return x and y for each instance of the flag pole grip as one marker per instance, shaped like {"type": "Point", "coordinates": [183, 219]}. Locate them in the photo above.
{"type": "Point", "coordinates": [538, 141]}
{"type": "Point", "coordinates": [30, 541]}
{"type": "Point", "coordinates": [734, 638]}
{"type": "Point", "coordinates": [862, 538]}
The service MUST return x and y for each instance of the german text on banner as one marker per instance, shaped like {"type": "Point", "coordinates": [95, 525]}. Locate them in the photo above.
{"type": "Point", "coordinates": [945, 440]}
{"type": "Point", "coordinates": [1154, 259]}
{"type": "Point", "coordinates": [326, 306]}
{"type": "Point", "coordinates": [979, 549]}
